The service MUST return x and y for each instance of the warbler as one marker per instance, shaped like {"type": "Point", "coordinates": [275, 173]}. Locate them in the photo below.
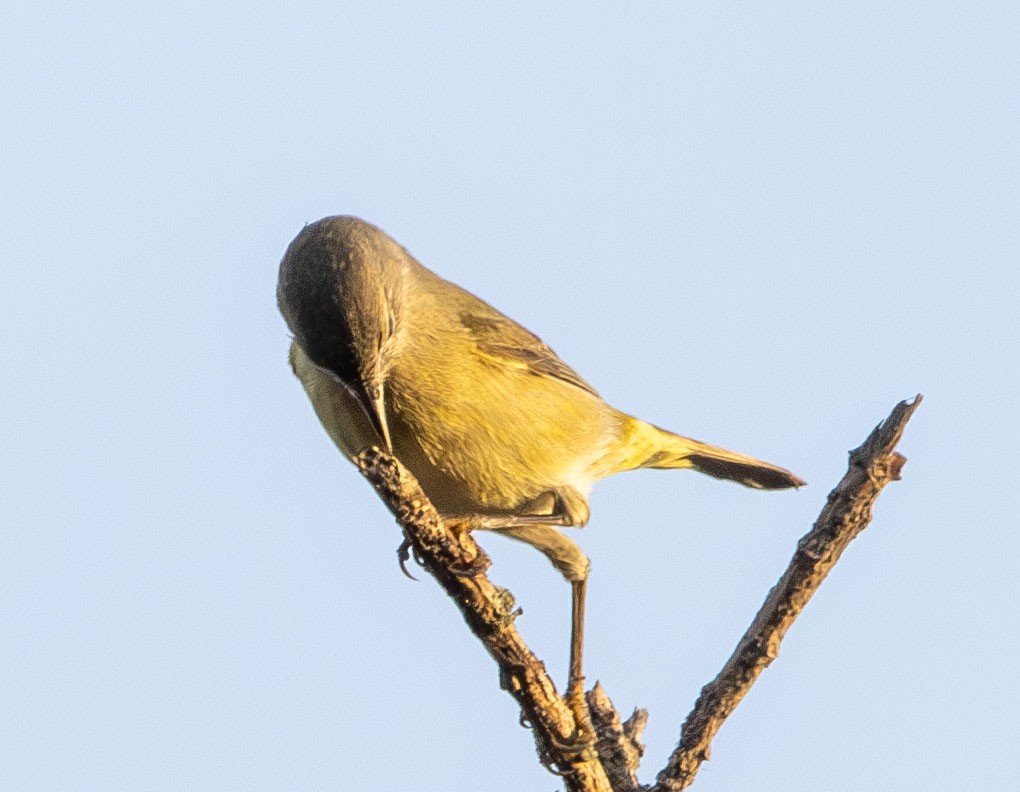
{"type": "Point", "coordinates": [501, 434]}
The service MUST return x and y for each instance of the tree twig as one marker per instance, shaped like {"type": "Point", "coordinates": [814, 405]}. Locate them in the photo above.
{"type": "Point", "coordinates": [619, 744]}
{"type": "Point", "coordinates": [846, 513]}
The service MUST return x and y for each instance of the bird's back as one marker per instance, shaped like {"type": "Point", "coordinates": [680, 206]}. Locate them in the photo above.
{"type": "Point", "coordinates": [514, 420]}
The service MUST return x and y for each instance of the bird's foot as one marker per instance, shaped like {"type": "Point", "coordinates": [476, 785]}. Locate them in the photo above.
{"type": "Point", "coordinates": [471, 567]}
{"type": "Point", "coordinates": [573, 749]}
{"type": "Point", "coordinates": [560, 752]}
{"type": "Point", "coordinates": [583, 738]}
{"type": "Point", "coordinates": [404, 553]}
{"type": "Point", "coordinates": [474, 562]}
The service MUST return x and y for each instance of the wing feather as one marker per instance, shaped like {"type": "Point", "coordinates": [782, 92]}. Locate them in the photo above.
{"type": "Point", "coordinates": [504, 342]}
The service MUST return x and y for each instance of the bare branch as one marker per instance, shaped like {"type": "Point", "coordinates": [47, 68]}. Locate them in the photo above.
{"type": "Point", "coordinates": [846, 513]}
{"type": "Point", "coordinates": [458, 565]}
{"type": "Point", "coordinates": [619, 744]}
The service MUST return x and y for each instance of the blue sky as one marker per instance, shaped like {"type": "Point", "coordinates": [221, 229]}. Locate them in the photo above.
{"type": "Point", "coordinates": [758, 225]}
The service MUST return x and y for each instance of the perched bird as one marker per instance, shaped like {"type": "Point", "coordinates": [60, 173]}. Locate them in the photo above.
{"type": "Point", "coordinates": [498, 430]}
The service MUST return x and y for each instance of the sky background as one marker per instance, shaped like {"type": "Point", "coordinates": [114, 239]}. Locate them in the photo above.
{"type": "Point", "coordinates": [761, 225]}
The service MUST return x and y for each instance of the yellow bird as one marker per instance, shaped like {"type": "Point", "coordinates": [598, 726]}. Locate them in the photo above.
{"type": "Point", "coordinates": [498, 430]}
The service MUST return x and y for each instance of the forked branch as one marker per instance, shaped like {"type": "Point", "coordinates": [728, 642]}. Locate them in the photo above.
{"type": "Point", "coordinates": [607, 760]}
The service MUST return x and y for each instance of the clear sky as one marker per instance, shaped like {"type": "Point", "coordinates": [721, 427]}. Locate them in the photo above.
{"type": "Point", "coordinates": [760, 225]}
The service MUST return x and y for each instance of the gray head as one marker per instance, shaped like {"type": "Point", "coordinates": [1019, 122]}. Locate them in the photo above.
{"type": "Point", "coordinates": [335, 277]}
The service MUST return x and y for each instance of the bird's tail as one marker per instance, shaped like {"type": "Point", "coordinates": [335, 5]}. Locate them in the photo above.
{"type": "Point", "coordinates": [652, 447]}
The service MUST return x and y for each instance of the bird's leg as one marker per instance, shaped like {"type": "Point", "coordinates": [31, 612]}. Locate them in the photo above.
{"type": "Point", "coordinates": [509, 524]}
{"type": "Point", "coordinates": [568, 558]}
{"type": "Point", "coordinates": [575, 681]}
{"type": "Point", "coordinates": [568, 508]}
{"type": "Point", "coordinates": [572, 563]}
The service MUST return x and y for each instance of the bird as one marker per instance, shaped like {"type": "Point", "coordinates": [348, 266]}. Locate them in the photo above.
{"type": "Point", "coordinates": [501, 434]}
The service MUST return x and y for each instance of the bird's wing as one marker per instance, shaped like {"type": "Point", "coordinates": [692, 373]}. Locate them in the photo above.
{"type": "Point", "coordinates": [503, 342]}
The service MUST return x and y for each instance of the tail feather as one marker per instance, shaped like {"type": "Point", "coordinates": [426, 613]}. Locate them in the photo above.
{"type": "Point", "coordinates": [668, 450]}
{"type": "Point", "coordinates": [749, 471]}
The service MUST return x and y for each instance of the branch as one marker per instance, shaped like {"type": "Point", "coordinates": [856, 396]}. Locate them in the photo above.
{"type": "Point", "coordinates": [458, 565]}
{"type": "Point", "coordinates": [619, 744]}
{"type": "Point", "coordinates": [846, 513]}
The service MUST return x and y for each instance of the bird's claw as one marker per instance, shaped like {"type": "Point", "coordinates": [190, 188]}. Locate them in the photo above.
{"type": "Point", "coordinates": [579, 745]}
{"type": "Point", "coordinates": [576, 747]}
{"type": "Point", "coordinates": [570, 750]}
{"type": "Point", "coordinates": [404, 553]}
{"type": "Point", "coordinates": [471, 567]}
